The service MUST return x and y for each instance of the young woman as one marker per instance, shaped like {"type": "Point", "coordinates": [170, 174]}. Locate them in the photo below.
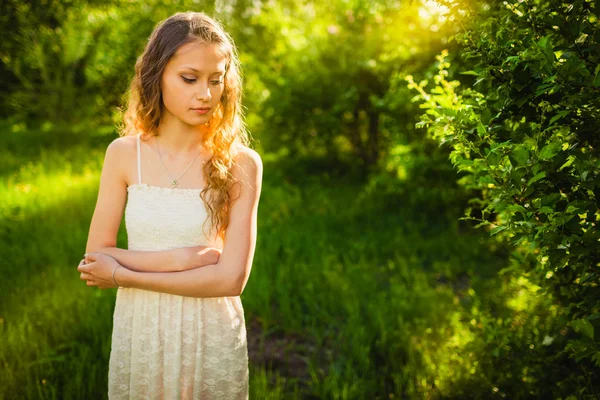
{"type": "Point", "coordinates": [182, 163]}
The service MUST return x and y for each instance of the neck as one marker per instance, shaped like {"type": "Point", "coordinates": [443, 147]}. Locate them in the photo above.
{"type": "Point", "coordinates": [177, 137]}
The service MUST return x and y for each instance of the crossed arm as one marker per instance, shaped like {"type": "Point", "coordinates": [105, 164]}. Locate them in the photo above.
{"type": "Point", "coordinates": [173, 260]}
{"type": "Point", "coordinates": [163, 271]}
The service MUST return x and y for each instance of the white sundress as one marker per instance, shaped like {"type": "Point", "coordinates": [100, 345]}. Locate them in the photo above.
{"type": "Point", "coordinates": [166, 346]}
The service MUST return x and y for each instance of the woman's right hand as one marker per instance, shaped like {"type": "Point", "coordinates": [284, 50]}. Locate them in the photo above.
{"type": "Point", "coordinates": [197, 256]}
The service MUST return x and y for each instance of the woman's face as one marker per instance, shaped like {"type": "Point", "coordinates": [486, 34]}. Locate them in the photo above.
{"type": "Point", "coordinates": [193, 78]}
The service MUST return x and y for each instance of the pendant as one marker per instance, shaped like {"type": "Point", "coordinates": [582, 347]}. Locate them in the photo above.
{"type": "Point", "coordinates": [174, 183]}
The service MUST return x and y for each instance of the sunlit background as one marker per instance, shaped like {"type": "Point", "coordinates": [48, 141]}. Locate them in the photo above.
{"type": "Point", "coordinates": [374, 276]}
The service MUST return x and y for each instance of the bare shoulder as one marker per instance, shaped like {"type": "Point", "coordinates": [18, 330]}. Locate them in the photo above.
{"type": "Point", "coordinates": [248, 157]}
{"type": "Point", "coordinates": [121, 150]}
{"type": "Point", "coordinates": [248, 163]}
{"type": "Point", "coordinates": [120, 153]}
{"type": "Point", "coordinates": [248, 169]}
{"type": "Point", "coordinates": [122, 144]}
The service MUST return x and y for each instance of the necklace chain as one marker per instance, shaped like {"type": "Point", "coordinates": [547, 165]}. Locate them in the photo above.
{"type": "Point", "coordinates": [174, 181]}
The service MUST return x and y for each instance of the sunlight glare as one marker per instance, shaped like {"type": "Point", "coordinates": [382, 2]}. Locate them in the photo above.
{"type": "Point", "coordinates": [432, 11]}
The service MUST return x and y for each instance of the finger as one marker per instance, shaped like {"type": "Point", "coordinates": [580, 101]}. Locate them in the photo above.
{"type": "Point", "coordinates": [87, 267]}
{"type": "Point", "coordinates": [83, 267]}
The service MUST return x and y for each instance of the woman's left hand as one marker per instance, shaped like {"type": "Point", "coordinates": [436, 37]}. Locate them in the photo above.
{"type": "Point", "coordinates": [97, 269]}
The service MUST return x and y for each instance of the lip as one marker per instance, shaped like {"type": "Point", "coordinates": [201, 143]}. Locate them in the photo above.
{"type": "Point", "coordinates": [201, 111]}
{"type": "Point", "coordinates": [201, 108]}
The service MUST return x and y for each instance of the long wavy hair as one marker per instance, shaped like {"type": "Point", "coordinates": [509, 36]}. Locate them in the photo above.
{"type": "Point", "coordinates": [226, 128]}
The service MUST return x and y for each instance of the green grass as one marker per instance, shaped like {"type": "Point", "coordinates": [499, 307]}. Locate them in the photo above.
{"type": "Point", "coordinates": [352, 295]}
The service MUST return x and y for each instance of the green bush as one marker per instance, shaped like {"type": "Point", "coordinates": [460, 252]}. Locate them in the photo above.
{"type": "Point", "coordinates": [527, 141]}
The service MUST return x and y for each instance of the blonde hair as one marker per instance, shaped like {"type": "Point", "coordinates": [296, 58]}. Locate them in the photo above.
{"type": "Point", "coordinates": [226, 127]}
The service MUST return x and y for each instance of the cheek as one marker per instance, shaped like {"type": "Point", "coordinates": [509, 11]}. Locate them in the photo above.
{"type": "Point", "coordinates": [217, 93]}
{"type": "Point", "coordinates": [173, 95]}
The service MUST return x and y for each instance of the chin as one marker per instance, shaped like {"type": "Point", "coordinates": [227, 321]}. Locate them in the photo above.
{"type": "Point", "coordinates": [196, 123]}
{"type": "Point", "coordinates": [199, 120]}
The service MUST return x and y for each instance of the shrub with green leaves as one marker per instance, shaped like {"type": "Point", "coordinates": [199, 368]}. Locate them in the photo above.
{"type": "Point", "coordinates": [525, 133]}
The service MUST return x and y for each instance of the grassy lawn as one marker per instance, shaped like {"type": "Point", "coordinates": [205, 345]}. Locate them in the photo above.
{"type": "Point", "coordinates": [352, 294]}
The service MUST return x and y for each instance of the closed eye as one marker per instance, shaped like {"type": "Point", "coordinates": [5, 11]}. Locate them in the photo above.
{"type": "Point", "coordinates": [193, 80]}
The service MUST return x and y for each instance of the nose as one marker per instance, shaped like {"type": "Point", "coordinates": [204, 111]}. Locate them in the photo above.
{"type": "Point", "coordinates": [204, 93]}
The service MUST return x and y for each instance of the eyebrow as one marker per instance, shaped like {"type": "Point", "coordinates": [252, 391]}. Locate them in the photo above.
{"type": "Point", "coordinates": [195, 70]}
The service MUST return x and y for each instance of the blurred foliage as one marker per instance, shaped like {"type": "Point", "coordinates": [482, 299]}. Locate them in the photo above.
{"type": "Point", "coordinates": [329, 93]}
{"type": "Point", "coordinates": [317, 75]}
{"type": "Point", "coordinates": [70, 62]}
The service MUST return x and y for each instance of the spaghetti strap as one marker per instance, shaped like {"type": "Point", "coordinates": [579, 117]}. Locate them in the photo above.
{"type": "Point", "coordinates": [138, 159]}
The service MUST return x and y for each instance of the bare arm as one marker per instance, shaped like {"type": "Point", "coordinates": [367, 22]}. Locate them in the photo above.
{"type": "Point", "coordinates": [229, 275]}
{"type": "Point", "coordinates": [112, 195]}
{"type": "Point", "coordinates": [180, 259]}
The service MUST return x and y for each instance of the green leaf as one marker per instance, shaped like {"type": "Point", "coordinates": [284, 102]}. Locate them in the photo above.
{"type": "Point", "coordinates": [550, 150]}
{"type": "Point", "coordinates": [562, 219]}
{"type": "Point", "coordinates": [486, 116]}
{"type": "Point", "coordinates": [493, 158]}
{"type": "Point", "coordinates": [588, 278]}
{"type": "Point", "coordinates": [541, 89]}
{"type": "Point", "coordinates": [571, 209]}
{"type": "Point", "coordinates": [597, 76]}
{"type": "Point", "coordinates": [517, 208]}
{"type": "Point", "coordinates": [482, 223]}
{"type": "Point", "coordinates": [546, 210]}
{"type": "Point", "coordinates": [542, 42]}
{"type": "Point", "coordinates": [559, 116]}
{"type": "Point", "coordinates": [581, 39]}
{"type": "Point", "coordinates": [584, 175]}
{"type": "Point", "coordinates": [498, 229]}
{"type": "Point", "coordinates": [546, 45]}
{"type": "Point", "coordinates": [586, 352]}
{"type": "Point", "coordinates": [512, 60]}
{"type": "Point", "coordinates": [521, 154]}
{"type": "Point", "coordinates": [594, 316]}
{"type": "Point", "coordinates": [551, 199]}
{"type": "Point", "coordinates": [584, 327]}
{"type": "Point", "coordinates": [471, 54]}
{"type": "Point", "coordinates": [570, 161]}
{"type": "Point", "coordinates": [537, 177]}
{"type": "Point", "coordinates": [480, 130]}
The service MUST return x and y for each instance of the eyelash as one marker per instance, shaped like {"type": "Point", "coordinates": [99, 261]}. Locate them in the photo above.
{"type": "Point", "coordinates": [193, 80]}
